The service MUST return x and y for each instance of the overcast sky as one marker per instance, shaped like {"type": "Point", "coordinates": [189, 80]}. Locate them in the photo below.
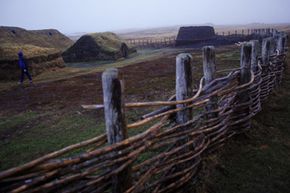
{"type": "Point", "coordinates": [70, 16]}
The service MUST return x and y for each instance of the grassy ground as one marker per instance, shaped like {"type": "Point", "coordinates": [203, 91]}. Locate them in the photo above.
{"type": "Point", "coordinates": [37, 120]}
{"type": "Point", "coordinates": [79, 69]}
{"type": "Point", "coordinates": [259, 160]}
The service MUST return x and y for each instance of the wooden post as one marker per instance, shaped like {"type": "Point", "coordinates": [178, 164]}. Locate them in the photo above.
{"type": "Point", "coordinates": [268, 32]}
{"type": "Point", "coordinates": [281, 44]}
{"type": "Point", "coordinates": [245, 63]}
{"type": "Point", "coordinates": [183, 86]}
{"type": "Point", "coordinates": [115, 122]}
{"type": "Point", "coordinates": [254, 55]}
{"type": "Point", "coordinates": [209, 70]}
{"type": "Point", "coordinates": [244, 96]}
{"type": "Point", "coordinates": [272, 46]}
{"type": "Point", "coordinates": [265, 51]}
{"type": "Point", "coordinates": [255, 90]}
{"type": "Point", "coordinates": [265, 69]}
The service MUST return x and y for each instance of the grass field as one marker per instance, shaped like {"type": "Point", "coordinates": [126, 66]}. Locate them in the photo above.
{"type": "Point", "coordinates": [35, 120]}
{"type": "Point", "coordinates": [47, 116]}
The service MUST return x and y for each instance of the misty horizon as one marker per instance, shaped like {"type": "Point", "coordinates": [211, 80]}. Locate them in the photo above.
{"type": "Point", "coordinates": [76, 16]}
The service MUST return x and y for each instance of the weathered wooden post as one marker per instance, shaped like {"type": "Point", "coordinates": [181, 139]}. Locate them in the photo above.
{"type": "Point", "coordinates": [243, 96]}
{"type": "Point", "coordinates": [265, 68]}
{"type": "Point", "coordinates": [268, 32]}
{"type": "Point", "coordinates": [281, 44]}
{"type": "Point", "coordinates": [115, 122]}
{"type": "Point", "coordinates": [273, 46]}
{"type": "Point", "coordinates": [265, 51]}
{"type": "Point", "coordinates": [245, 63]}
{"type": "Point", "coordinates": [280, 63]}
{"type": "Point", "coordinates": [183, 86]}
{"type": "Point", "coordinates": [272, 66]}
{"type": "Point", "coordinates": [209, 70]}
{"type": "Point", "coordinates": [254, 55]}
{"type": "Point", "coordinates": [255, 89]}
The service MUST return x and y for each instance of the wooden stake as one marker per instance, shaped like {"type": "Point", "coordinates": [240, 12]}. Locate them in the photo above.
{"type": "Point", "coordinates": [281, 44]}
{"type": "Point", "coordinates": [209, 70]}
{"type": "Point", "coordinates": [183, 85]}
{"type": "Point", "coordinates": [254, 55]}
{"type": "Point", "coordinates": [115, 122]}
{"type": "Point", "coordinates": [245, 63]}
{"type": "Point", "coordinates": [266, 51]}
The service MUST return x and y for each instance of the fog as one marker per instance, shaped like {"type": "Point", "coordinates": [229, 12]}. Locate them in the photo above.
{"type": "Point", "coordinates": [71, 16]}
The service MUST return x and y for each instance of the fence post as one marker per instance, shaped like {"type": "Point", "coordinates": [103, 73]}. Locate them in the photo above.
{"type": "Point", "coordinates": [268, 32]}
{"type": "Point", "coordinates": [256, 88]}
{"type": "Point", "coordinates": [265, 51]}
{"type": "Point", "coordinates": [273, 46]}
{"type": "Point", "coordinates": [281, 44]}
{"type": "Point", "coordinates": [244, 96]}
{"type": "Point", "coordinates": [115, 122]}
{"type": "Point", "coordinates": [246, 53]}
{"type": "Point", "coordinates": [209, 70]}
{"type": "Point", "coordinates": [265, 68]}
{"type": "Point", "coordinates": [254, 55]}
{"type": "Point", "coordinates": [183, 86]}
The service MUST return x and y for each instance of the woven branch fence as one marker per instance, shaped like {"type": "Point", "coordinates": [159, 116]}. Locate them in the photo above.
{"type": "Point", "coordinates": [179, 134]}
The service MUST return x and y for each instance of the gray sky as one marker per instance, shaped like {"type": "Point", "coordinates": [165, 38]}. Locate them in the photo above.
{"type": "Point", "coordinates": [70, 16]}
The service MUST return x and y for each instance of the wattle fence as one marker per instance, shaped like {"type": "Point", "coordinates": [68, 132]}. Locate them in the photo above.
{"type": "Point", "coordinates": [177, 136]}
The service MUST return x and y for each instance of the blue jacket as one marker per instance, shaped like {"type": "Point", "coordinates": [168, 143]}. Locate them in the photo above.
{"type": "Point", "coordinates": [21, 61]}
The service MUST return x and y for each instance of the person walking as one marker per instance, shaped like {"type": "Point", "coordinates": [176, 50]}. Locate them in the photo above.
{"type": "Point", "coordinates": [23, 67]}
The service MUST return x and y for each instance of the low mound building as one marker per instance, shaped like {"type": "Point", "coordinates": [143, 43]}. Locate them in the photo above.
{"type": "Point", "coordinates": [42, 50]}
{"type": "Point", "coordinates": [97, 46]}
{"type": "Point", "coordinates": [194, 34]}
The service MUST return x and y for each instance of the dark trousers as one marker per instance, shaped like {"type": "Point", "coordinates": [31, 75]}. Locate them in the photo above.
{"type": "Point", "coordinates": [25, 72]}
